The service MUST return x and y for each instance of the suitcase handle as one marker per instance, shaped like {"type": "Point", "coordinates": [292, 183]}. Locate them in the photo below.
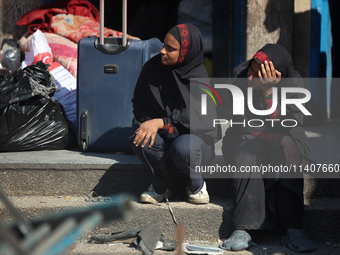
{"type": "Point", "coordinates": [111, 46]}
{"type": "Point", "coordinates": [101, 22]}
{"type": "Point", "coordinates": [124, 22]}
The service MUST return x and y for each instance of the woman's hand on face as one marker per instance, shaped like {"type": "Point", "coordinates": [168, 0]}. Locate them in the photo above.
{"type": "Point", "coordinates": [291, 151]}
{"type": "Point", "coordinates": [147, 131]}
{"type": "Point", "coordinates": [269, 77]}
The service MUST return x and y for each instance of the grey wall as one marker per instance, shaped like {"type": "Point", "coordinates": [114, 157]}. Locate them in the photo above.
{"type": "Point", "coordinates": [269, 21]}
{"type": "Point", "coordinates": [286, 22]}
{"type": "Point", "coordinates": [11, 12]}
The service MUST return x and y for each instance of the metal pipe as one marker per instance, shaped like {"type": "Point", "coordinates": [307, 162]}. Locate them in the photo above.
{"type": "Point", "coordinates": [101, 22]}
{"type": "Point", "coordinates": [124, 30]}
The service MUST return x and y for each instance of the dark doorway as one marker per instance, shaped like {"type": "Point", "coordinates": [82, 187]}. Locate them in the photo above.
{"type": "Point", "coordinates": [145, 19]}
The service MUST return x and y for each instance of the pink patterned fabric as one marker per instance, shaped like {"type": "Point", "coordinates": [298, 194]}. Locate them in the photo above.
{"type": "Point", "coordinates": [76, 27]}
{"type": "Point", "coordinates": [64, 51]}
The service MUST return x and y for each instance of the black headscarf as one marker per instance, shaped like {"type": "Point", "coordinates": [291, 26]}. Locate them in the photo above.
{"type": "Point", "coordinates": [282, 62]}
{"type": "Point", "coordinates": [271, 52]}
{"type": "Point", "coordinates": [165, 92]}
{"type": "Point", "coordinates": [290, 78]}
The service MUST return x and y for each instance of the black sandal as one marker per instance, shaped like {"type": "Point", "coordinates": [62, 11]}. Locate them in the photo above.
{"type": "Point", "coordinates": [298, 241]}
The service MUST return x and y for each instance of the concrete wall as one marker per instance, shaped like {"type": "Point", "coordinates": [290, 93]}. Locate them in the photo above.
{"type": "Point", "coordinates": [269, 21]}
{"type": "Point", "coordinates": [11, 12]}
{"type": "Point", "coordinates": [286, 22]}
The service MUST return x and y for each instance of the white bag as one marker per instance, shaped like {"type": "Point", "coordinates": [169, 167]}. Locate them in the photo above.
{"type": "Point", "coordinates": [66, 83]}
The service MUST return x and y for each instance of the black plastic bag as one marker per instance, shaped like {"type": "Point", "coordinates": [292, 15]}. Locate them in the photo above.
{"type": "Point", "coordinates": [29, 119]}
{"type": "Point", "coordinates": [10, 59]}
{"type": "Point", "coordinates": [34, 80]}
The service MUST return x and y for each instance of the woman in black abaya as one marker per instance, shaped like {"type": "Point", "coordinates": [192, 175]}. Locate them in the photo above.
{"type": "Point", "coordinates": [262, 202]}
{"type": "Point", "coordinates": [172, 130]}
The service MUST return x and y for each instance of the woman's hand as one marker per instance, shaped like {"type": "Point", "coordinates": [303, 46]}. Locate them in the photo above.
{"type": "Point", "coordinates": [147, 131]}
{"type": "Point", "coordinates": [269, 77]}
{"type": "Point", "coordinates": [291, 151]}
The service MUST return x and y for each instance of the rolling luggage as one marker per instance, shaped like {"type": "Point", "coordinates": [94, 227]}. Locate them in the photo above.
{"type": "Point", "coordinates": [108, 70]}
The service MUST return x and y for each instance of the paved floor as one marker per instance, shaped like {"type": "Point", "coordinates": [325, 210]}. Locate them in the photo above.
{"type": "Point", "coordinates": [262, 248]}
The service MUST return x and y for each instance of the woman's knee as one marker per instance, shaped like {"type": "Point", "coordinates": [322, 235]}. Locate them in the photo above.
{"type": "Point", "coordinates": [157, 147]}
{"type": "Point", "coordinates": [189, 148]}
{"type": "Point", "coordinates": [180, 147]}
{"type": "Point", "coordinates": [131, 139]}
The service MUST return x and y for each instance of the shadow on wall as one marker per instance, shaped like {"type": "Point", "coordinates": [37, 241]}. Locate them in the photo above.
{"type": "Point", "coordinates": [279, 15]}
{"type": "Point", "coordinates": [295, 35]}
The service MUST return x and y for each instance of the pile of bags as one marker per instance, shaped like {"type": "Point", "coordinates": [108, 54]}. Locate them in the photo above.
{"type": "Point", "coordinates": [29, 118]}
{"type": "Point", "coordinates": [38, 99]}
{"type": "Point", "coordinates": [38, 108]}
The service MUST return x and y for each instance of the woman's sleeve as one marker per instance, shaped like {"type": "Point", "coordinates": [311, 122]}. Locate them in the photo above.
{"type": "Point", "coordinates": [141, 109]}
{"type": "Point", "coordinates": [169, 130]}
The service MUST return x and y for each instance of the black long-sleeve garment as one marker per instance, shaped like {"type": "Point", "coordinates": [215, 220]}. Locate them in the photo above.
{"type": "Point", "coordinates": [166, 92]}
{"type": "Point", "coordinates": [290, 78]}
{"type": "Point", "coordinates": [262, 202]}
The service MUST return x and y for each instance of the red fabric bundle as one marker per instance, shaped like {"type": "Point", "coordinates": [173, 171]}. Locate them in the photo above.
{"type": "Point", "coordinates": [41, 17]}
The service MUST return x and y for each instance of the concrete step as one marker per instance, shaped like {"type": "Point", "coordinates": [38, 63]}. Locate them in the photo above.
{"type": "Point", "coordinates": [41, 182]}
{"type": "Point", "coordinates": [72, 172]}
{"type": "Point", "coordinates": [210, 222]}
{"type": "Point", "coordinates": [68, 172]}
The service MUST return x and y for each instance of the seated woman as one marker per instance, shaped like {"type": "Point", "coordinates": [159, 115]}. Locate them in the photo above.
{"type": "Point", "coordinates": [162, 105]}
{"type": "Point", "coordinates": [265, 202]}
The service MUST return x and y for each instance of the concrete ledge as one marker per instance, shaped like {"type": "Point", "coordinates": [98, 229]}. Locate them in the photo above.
{"type": "Point", "coordinates": [66, 160]}
{"type": "Point", "coordinates": [72, 172]}
{"type": "Point", "coordinates": [64, 172]}
{"type": "Point", "coordinates": [209, 222]}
